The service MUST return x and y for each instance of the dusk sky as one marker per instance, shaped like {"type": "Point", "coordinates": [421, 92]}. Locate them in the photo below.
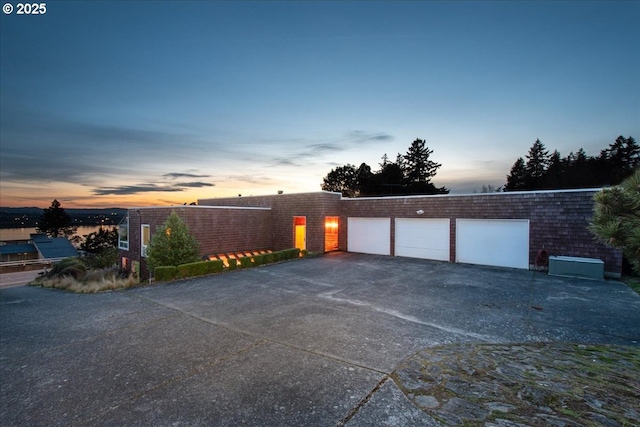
{"type": "Point", "coordinates": [113, 103]}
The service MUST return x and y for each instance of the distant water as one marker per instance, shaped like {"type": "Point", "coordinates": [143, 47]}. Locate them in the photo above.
{"type": "Point", "coordinates": [23, 233]}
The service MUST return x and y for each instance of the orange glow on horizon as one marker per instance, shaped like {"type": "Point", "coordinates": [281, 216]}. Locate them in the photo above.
{"type": "Point", "coordinates": [76, 196]}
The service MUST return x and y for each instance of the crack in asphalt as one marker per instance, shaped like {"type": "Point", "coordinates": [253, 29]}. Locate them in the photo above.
{"type": "Point", "coordinates": [260, 341]}
{"type": "Point", "coordinates": [406, 317]}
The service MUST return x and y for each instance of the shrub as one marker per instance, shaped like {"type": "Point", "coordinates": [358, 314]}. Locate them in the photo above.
{"type": "Point", "coordinates": [105, 258]}
{"type": "Point", "coordinates": [258, 259]}
{"type": "Point", "coordinates": [616, 220]}
{"type": "Point", "coordinates": [277, 256]}
{"type": "Point", "coordinates": [268, 258]}
{"type": "Point", "coordinates": [200, 268]}
{"type": "Point", "coordinates": [215, 266]}
{"type": "Point", "coordinates": [93, 281]}
{"type": "Point", "coordinates": [304, 253]}
{"type": "Point", "coordinates": [172, 244]}
{"type": "Point", "coordinates": [68, 267]}
{"type": "Point", "coordinates": [286, 254]}
{"type": "Point", "coordinates": [245, 262]}
{"type": "Point", "coordinates": [192, 269]}
{"type": "Point", "coordinates": [165, 273]}
{"type": "Point", "coordinates": [233, 264]}
{"type": "Point", "coordinates": [291, 253]}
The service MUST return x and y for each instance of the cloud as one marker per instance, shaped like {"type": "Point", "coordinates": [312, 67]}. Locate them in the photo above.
{"type": "Point", "coordinates": [300, 158]}
{"type": "Point", "coordinates": [174, 175]}
{"type": "Point", "coordinates": [360, 136]}
{"type": "Point", "coordinates": [250, 179]}
{"type": "Point", "coordinates": [40, 147]}
{"type": "Point", "coordinates": [134, 189]}
{"type": "Point", "coordinates": [326, 147]}
{"type": "Point", "coordinates": [195, 184]}
{"type": "Point", "coordinates": [148, 188]}
{"type": "Point", "coordinates": [284, 161]}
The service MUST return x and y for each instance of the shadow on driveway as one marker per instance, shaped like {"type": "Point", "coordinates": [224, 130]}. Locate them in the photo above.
{"type": "Point", "coordinates": [307, 342]}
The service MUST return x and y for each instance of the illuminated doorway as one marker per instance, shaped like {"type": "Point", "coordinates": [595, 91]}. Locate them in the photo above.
{"type": "Point", "coordinates": [300, 232]}
{"type": "Point", "coordinates": [331, 233]}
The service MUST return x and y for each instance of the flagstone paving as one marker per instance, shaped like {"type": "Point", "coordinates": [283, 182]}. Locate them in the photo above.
{"type": "Point", "coordinates": [548, 384]}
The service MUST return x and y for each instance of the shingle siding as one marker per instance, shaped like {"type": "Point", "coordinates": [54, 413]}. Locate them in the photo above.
{"type": "Point", "coordinates": [558, 220]}
{"type": "Point", "coordinates": [217, 230]}
{"type": "Point", "coordinates": [284, 207]}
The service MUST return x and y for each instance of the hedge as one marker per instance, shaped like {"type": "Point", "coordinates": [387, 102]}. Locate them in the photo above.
{"type": "Point", "coordinates": [163, 274]}
{"type": "Point", "coordinates": [245, 262]}
{"type": "Point", "coordinates": [201, 268]}
{"type": "Point", "coordinates": [258, 259]}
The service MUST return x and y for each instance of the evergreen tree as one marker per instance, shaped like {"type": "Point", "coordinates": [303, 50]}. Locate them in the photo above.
{"type": "Point", "coordinates": [616, 220]}
{"type": "Point", "coordinates": [410, 174]}
{"type": "Point", "coordinates": [56, 222]}
{"type": "Point", "coordinates": [553, 176]}
{"type": "Point", "coordinates": [623, 157]}
{"type": "Point", "coordinates": [100, 240]}
{"type": "Point", "coordinates": [172, 244]}
{"type": "Point", "coordinates": [400, 162]}
{"type": "Point", "coordinates": [577, 170]}
{"type": "Point", "coordinates": [385, 161]}
{"type": "Point", "coordinates": [419, 169]}
{"type": "Point", "coordinates": [101, 248]}
{"type": "Point", "coordinates": [389, 180]}
{"type": "Point", "coordinates": [537, 163]}
{"type": "Point", "coordinates": [516, 180]}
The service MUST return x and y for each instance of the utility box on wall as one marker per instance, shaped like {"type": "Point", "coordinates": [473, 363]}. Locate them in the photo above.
{"type": "Point", "coordinates": [587, 268]}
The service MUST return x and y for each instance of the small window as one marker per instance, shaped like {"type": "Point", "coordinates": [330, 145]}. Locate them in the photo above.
{"type": "Point", "coordinates": [123, 233]}
{"type": "Point", "coordinates": [145, 238]}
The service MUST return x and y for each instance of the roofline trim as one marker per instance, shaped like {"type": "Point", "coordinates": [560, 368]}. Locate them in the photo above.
{"type": "Point", "coordinates": [199, 207]}
{"type": "Point", "coordinates": [337, 193]}
{"type": "Point", "coordinates": [502, 193]}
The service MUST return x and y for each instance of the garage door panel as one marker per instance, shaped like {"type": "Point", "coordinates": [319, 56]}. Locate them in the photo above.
{"type": "Point", "coordinates": [369, 235]}
{"type": "Point", "coordinates": [422, 238]}
{"type": "Point", "coordinates": [496, 242]}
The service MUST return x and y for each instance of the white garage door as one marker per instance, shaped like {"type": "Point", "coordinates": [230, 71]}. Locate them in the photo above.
{"type": "Point", "coordinates": [369, 235]}
{"type": "Point", "coordinates": [422, 238]}
{"type": "Point", "coordinates": [499, 242]}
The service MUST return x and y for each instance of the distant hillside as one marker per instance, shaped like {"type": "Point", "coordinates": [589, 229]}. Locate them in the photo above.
{"type": "Point", "coordinates": [29, 217]}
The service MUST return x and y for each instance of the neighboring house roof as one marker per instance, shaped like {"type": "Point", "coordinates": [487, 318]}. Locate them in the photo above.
{"type": "Point", "coordinates": [58, 247]}
{"type": "Point", "coordinates": [17, 249]}
{"type": "Point", "coordinates": [39, 237]}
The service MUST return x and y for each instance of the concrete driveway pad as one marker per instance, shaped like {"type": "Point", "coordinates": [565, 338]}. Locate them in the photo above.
{"type": "Point", "coordinates": [308, 342]}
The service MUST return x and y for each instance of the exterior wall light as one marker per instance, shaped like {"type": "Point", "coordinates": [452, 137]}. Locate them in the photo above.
{"type": "Point", "coordinates": [419, 211]}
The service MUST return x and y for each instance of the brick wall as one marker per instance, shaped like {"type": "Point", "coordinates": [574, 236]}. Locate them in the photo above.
{"type": "Point", "coordinates": [314, 206]}
{"type": "Point", "coordinates": [217, 230]}
{"type": "Point", "coordinates": [558, 220]}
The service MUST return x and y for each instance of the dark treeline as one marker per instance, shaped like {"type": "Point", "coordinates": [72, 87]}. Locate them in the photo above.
{"type": "Point", "coordinates": [411, 173]}
{"type": "Point", "coordinates": [544, 171]}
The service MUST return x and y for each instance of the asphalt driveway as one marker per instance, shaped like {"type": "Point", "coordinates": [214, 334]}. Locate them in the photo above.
{"type": "Point", "coordinates": [308, 342]}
